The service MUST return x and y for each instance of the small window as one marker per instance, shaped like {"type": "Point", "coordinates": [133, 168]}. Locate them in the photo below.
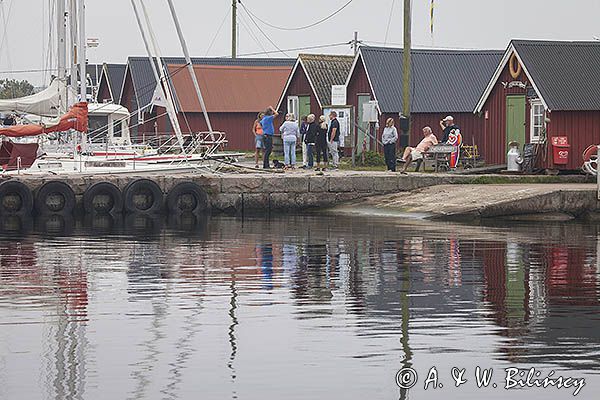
{"type": "Point", "coordinates": [293, 106]}
{"type": "Point", "coordinates": [538, 123]}
{"type": "Point", "coordinates": [117, 132]}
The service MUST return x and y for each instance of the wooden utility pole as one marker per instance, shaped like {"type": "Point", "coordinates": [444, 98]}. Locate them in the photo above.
{"type": "Point", "coordinates": [355, 43]}
{"type": "Point", "coordinates": [233, 28]}
{"type": "Point", "coordinates": [407, 63]}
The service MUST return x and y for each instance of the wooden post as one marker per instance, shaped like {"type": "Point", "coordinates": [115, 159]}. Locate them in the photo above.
{"type": "Point", "coordinates": [407, 61]}
{"type": "Point", "coordinates": [233, 28]}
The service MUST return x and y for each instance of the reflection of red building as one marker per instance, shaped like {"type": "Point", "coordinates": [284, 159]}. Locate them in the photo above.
{"type": "Point", "coordinates": [568, 279]}
{"type": "Point", "coordinates": [506, 286]}
{"type": "Point", "coordinates": [24, 273]}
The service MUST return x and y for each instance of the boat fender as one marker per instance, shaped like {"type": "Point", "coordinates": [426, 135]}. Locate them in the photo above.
{"type": "Point", "coordinates": [55, 197]}
{"type": "Point", "coordinates": [187, 197]}
{"type": "Point", "coordinates": [143, 196]}
{"type": "Point", "coordinates": [103, 198]}
{"type": "Point", "coordinates": [15, 198]}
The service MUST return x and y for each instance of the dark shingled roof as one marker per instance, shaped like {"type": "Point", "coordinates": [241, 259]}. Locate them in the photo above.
{"type": "Point", "coordinates": [325, 70]}
{"type": "Point", "coordinates": [442, 80]}
{"type": "Point", "coordinates": [145, 84]}
{"type": "Point", "coordinates": [567, 74]}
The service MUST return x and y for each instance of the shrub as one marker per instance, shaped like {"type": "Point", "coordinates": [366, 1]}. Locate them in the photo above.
{"type": "Point", "coordinates": [372, 159]}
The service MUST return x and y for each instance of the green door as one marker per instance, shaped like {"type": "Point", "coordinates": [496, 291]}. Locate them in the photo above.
{"type": "Point", "coordinates": [303, 106]}
{"type": "Point", "coordinates": [515, 120]}
{"type": "Point", "coordinates": [364, 126]}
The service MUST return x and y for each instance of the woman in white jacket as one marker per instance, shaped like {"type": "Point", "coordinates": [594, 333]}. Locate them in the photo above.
{"type": "Point", "coordinates": [289, 133]}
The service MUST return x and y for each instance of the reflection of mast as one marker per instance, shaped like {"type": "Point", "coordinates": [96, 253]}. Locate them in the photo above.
{"type": "Point", "coordinates": [405, 305]}
{"type": "Point", "coordinates": [70, 340]}
{"type": "Point", "coordinates": [232, 339]}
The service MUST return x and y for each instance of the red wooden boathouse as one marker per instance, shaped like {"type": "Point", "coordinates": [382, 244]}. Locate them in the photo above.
{"type": "Point", "coordinates": [540, 90]}
{"type": "Point", "coordinates": [444, 82]}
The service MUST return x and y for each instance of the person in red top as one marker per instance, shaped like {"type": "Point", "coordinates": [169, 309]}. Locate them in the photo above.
{"type": "Point", "coordinates": [258, 137]}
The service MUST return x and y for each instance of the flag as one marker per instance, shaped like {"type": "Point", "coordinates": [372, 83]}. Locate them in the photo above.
{"type": "Point", "coordinates": [431, 8]}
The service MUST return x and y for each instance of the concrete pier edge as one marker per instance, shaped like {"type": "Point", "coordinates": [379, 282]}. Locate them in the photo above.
{"type": "Point", "coordinates": [238, 193]}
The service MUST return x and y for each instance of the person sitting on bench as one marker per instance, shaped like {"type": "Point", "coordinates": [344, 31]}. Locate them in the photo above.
{"type": "Point", "coordinates": [416, 153]}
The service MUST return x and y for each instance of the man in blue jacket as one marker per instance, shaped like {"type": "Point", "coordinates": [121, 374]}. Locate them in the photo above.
{"type": "Point", "coordinates": [268, 132]}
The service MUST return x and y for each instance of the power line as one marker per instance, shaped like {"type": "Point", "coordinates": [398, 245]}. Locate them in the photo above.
{"type": "Point", "coordinates": [387, 29]}
{"type": "Point", "coordinates": [298, 28]}
{"type": "Point", "coordinates": [218, 31]}
{"type": "Point", "coordinates": [295, 49]}
{"type": "Point", "coordinates": [253, 36]}
{"type": "Point", "coordinates": [424, 47]}
{"type": "Point", "coordinates": [264, 34]}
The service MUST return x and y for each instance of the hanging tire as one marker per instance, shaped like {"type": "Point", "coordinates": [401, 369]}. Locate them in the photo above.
{"type": "Point", "coordinates": [103, 198]}
{"type": "Point", "coordinates": [55, 197]}
{"type": "Point", "coordinates": [143, 196]}
{"type": "Point", "coordinates": [187, 197]}
{"type": "Point", "coordinates": [15, 198]}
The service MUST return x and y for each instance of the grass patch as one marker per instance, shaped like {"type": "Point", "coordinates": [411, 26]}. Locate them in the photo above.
{"type": "Point", "coordinates": [498, 180]}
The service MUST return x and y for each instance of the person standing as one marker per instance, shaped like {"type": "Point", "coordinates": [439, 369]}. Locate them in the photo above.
{"type": "Point", "coordinates": [310, 139]}
{"type": "Point", "coordinates": [258, 137]}
{"type": "Point", "coordinates": [389, 139]}
{"type": "Point", "coordinates": [334, 139]}
{"type": "Point", "coordinates": [268, 127]}
{"type": "Point", "coordinates": [448, 127]}
{"type": "Point", "coordinates": [289, 133]}
{"type": "Point", "coordinates": [303, 129]}
{"type": "Point", "coordinates": [453, 137]}
{"type": "Point", "coordinates": [321, 144]}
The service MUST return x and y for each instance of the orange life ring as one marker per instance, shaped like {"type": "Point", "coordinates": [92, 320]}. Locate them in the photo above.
{"type": "Point", "coordinates": [514, 67]}
{"type": "Point", "coordinates": [589, 152]}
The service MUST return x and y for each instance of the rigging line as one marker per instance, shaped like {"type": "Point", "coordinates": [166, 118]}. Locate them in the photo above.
{"type": "Point", "coordinates": [253, 36]}
{"type": "Point", "coordinates": [24, 71]}
{"type": "Point", "coordinates": [387, 29]}
{"type": "Point", "coordinates": [322, 46]}
{"type": "Point", "coordinates": [265, 35]}
{"type": "Point", "coordinates": [151, 87]}
{"type": "Point", "coordinates": [218, 31]}
{"type": "Point", "coordinates": [5, 17]}
{"type": "Point", "coordinates": [297, 28]}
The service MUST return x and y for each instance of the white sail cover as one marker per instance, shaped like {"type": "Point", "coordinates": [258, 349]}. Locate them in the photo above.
{"type": "Point", "coordinates": [44, 103]}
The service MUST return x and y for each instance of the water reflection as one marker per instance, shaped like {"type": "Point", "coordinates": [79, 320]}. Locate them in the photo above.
{"type": "Point", "coordinates": [255, 308]}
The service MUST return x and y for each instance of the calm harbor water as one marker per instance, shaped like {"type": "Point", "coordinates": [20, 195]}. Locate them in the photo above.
{"type": "Point", "coordinates": [293, 307]}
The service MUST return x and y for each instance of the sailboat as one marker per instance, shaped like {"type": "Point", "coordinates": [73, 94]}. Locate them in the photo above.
{"type": "Point", "coordinates": [102, 143]}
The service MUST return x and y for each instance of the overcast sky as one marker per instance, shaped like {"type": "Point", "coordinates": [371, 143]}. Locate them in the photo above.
{"type": "Point", "coordinates": [472, 24]}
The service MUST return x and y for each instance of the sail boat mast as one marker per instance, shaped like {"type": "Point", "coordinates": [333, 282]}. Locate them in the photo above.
{"type": "Point", "coordinates": [61, 33]}
{"type": "Point", "coordinates": [190, 67]}
{"type": "Point", "coordinates": [154, 55]}
{"type": "Point", "coordinates": [81, 53]}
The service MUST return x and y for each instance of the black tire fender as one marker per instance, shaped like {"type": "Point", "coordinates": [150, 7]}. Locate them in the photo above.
{"type": "Point", "coordinates": [103, 198]}
{"type": "Point", "coordinates": [187, 197]}
{"type": "Point", "coordinates": [143, 196]}
{"type": "Point", "coordinates": [15, 198]}
{"type": "Point", "coordinates": [55, 197]}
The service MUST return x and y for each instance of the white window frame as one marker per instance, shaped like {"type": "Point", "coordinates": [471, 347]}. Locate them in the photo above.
{"type": "Point", "coordinates": [293, 105]}
{"type": "Point", "coordinates": [536, 106]}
